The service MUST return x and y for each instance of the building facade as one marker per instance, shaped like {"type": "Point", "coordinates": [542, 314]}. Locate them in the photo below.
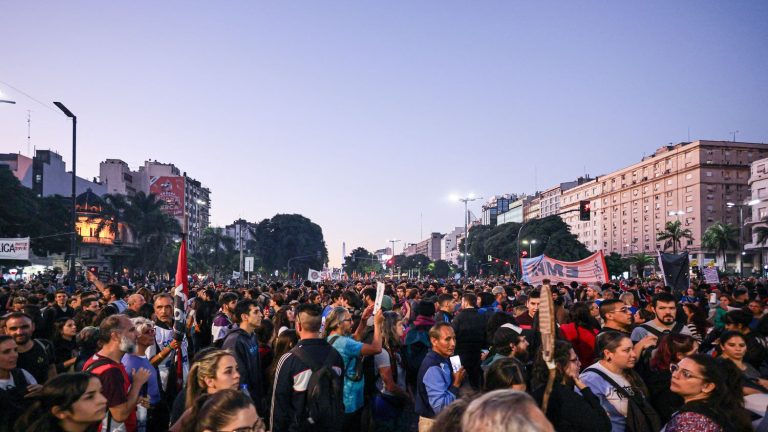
{"type": "Point", "coordinates": [46, 174]}
{"type": "Point", "coordinates": [757, 214]}
{"type": "Point", "coordinates": [450, 245]}
{"type": "Point", "coordinates": [495, 206]}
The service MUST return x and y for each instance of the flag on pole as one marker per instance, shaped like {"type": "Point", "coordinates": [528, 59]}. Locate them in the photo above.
{"type": "Point", "coordinates": [180, 295]}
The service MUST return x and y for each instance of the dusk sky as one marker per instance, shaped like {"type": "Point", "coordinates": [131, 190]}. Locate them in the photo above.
{"type": "Point", "coordinates": [366, 116]}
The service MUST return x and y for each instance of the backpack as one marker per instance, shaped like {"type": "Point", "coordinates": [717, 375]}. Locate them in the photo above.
{"type": "Point", "coordinates": [675, 330]}
{"type": "Point", "coordinates": [324, 406]}
{"type": "Point", "coordinates": [641, 417]}
{"type": "Point", "coordinates": [417, 346]}
{"type": "Point", "coordinates": [13, 400]}
{"type": "Point", "coordinates": [97, 368]}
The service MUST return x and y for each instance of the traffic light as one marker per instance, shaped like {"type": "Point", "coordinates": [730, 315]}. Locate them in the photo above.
{"type": "Point", "coordinates": [584, 210]}
{"type": "Point", "coordinates": [524, 254]}
{"type": "Point", "coordinates": [390, 262]}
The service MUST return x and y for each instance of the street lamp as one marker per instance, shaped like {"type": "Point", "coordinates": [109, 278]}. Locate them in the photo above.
{"type": "Point", "coordinates": [392, 269]}
{"type": "Point", "coordinates": [741, 229]}
{"type": "Point", "coordinates": [3, 100]}
{"type": "Point", "coordinates": [466, 200]}
{"type": "Point", "coordinates": [530, 246]}
{"type": "Point", "coordinates": [73, 246]}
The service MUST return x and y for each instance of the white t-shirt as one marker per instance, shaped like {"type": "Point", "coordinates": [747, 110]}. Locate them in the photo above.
{"type": "Point", "coordinates": [6, 384]}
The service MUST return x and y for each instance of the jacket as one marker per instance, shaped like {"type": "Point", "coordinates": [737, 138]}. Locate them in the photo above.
{"type": "Point", "coordinates": [245, 347]}
{"type": "Point", "coordinates": [291, 381]}
{"type": "Point", "coordinates": [434, 388]}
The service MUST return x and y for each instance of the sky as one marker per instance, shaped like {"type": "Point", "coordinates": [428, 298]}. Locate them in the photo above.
{"type": "Point", "coordinates": [366, 116]}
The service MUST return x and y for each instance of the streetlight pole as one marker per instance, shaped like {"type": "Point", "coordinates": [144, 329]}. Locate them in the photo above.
{"type": "Point", "coordinates": [73, 246]}
{"type": "Point", "coordinates": [392, 269]}
{"type": "Point", "coordinates": [466, 201]}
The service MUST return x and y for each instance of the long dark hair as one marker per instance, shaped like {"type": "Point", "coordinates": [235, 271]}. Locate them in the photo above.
{"type": "Point", "coordinates": [62, 391]}
{"type": "Point", "coordinates": [725, 404]}
{"type": "Point", "coordinates": [698, 318]}
{"type": "Point", "coordinates": [562, 357]}
{"type": "Point", "coordinates": [581, 317]}
{"type": "Point", "coordinates": [668, 347]}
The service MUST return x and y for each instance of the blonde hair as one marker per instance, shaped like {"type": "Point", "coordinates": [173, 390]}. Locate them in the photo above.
{"type": "Point", "coordinates": [204, 367]}
{"type": "Point", "coordinates": [500, 411]}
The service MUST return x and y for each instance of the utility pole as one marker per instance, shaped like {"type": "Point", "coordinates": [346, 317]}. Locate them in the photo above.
{"type": "Point", "coordinates": [240, 225]}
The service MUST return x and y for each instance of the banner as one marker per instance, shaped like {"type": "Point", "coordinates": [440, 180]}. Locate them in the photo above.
{"type": "Point", "coordinates": [314, 276]}
{"type": "Point", "coordinates": [676, 270]}
{"type": "Point", "coordinates": [14, 248]}
{"type": "Point", "coordinates": [710, 275]}
{"type": "Point", "coordinates": [591, 269]}
{"type": "Point", "coordinates": [170, 190]}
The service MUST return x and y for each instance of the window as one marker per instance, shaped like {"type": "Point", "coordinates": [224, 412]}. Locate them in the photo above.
{"type": "Point", "coordinates": [669, 181]}
{"type": "Point", "coordinates": [708, 173]}
{"type": "Point", "coordinates": [688, 176]}
{"type": "Point", "coordinates": [689, 209]}
{"type": "Point", "coordinates": [689, 198]}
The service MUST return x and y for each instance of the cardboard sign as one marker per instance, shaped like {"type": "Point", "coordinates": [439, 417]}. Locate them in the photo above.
{"type": "Point", "coordinates": [379, 297]}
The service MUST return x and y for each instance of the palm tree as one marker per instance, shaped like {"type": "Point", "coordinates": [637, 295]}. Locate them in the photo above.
{"type": "Point", "coordinates": [154, 229]}
{"type": "Point", "coordinates": [216, 250]}
{"type": "Point", "coordinates": [641, 261]}
{"type": "Point", "coordinates": [672, 234]}
{"type": "Point", "coordinates": [719, 238]}
{"type": "Point", "coordinates": [114, 209]}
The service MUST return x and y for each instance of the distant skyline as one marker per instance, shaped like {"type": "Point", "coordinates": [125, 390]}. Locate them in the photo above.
{"type": "Point", "coordinates": [366, 117]}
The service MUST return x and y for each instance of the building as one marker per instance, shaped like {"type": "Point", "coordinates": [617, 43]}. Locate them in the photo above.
{"type": "Point", "coordinates": [687, 182]}
{"type": "Point", "coordinates": [495, 206]}
{"type": "Point", "coordinates": [533, 209]}
{"type": "Point", "coordinates": [101, 245]}
{"type": "Point", "coordinates": [430, 246]}
{"type": "Point", "coordinates": [450, 245]}
{"type": "Point", "coordinates": [516, 212]}
{"type": "Point", "coordinates": [757, 213]}
{"type": "Point", "coordinates": [186, 198]}
{"type": "Point", "coordinates": [588, 232]}
{"type": "Point", "coordinates": [549, 203]}
{"type": "Point", "coordinates": [46, 174]}
{"type": "Point", "coordinates": [242, 232]}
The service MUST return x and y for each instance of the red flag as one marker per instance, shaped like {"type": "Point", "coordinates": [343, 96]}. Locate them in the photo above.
{"type": "Point", "coordinates": [180, 294]}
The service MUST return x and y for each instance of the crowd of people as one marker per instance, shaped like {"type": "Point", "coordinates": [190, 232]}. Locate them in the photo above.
{"type": "Point", "coordinates": [430, 355]}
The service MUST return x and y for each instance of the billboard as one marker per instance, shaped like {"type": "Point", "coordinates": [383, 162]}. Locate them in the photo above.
{"type": "Point", "coordinates": [591, 269]}
{"type": "Point", "coordinates": [170, 190]}
{"type": "Point", "coordinates": [14, 248]}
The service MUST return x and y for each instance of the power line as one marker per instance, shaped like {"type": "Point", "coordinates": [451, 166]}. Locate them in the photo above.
{"type": "Point", "coordinates": [30, 96]}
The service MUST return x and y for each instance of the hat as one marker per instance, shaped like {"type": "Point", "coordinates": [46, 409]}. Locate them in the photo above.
{"type": "Point", "coordinates": [386, 303]}
{"type": "Point", "coordinates": [498, 290]}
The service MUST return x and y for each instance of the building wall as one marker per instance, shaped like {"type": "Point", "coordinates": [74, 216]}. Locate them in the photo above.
{"type": "Point", "coordinates": [117, 177]}
{"type": "Point", "coordinates": [758, 184]}
{"type": "Point", "coordinates": [588, 232]}
{"type": "Point", "coordinates": [49, 177]}
{"type": "Point", "coordinates": [533, 209]}
{"type": "Point", "coordinates": [20, 166]}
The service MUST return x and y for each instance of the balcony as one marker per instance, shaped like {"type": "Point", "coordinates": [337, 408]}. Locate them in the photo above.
{"type": "Point", "coordinates": [97, 240]}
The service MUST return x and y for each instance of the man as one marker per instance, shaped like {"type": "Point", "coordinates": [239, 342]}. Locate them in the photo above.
{"type": "Point", "coordinates": [58, 310]}
{"type": "Point", "coordinates": [204, 316]}
{"type": "Point", "coordinates": [616, 316]}
{"type": "Point", "coordinates": [90, 304]}
{"type": "Point", "coordinates": [469, 330]}
{"type": "Point", "coordinates": [135, 302]}
{"type": "Point", "coordinates": [740, 298]}
{"type": "Point", "coordinates": [36, 356]}
{"type": "Point", "coordinates": [222, 322]}
{"type": "Point", "coordinates": [292, 375]}
{"type": "Point", "coordinates": [446, 305]}
{"type": "Point", "coordinates": [244, 346]}
{"type": "Point", "coordinates": [338, 325]}
{"type": "Point", "coordinates": [525, 321]}
{"type": "Point", "coordinates": [163, 353]}
{"type": "Point", "coordinates": [509, 342]}
{"type": "Point", "coordinates": [665, 308]}
{"type": "Point", "coordinates": [594, 294]}
{"type": "Point", "coordinates": [437, 385]}
{"type": "Point", "coordinates": [500, 296]}
{"type": "Point", "coordinates": [113, 295]}
{"type": "Point", "coordinates": [117, 335]}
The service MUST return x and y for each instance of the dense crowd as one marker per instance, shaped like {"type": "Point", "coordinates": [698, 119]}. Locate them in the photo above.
{"type": "Point", "coordinates": [463, 355]}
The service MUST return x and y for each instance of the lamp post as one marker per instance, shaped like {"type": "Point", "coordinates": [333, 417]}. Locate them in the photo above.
{"type": "Point", "coordinates": [741, 230]}
{"type": "Point", "coordinates": [530, 246]}
{"type": "Point", "coordinates": [392, 268]}
{"type": "Point", "coordinates": [73, 246]}
{"type": "Point", "coordinates": [466, 200]}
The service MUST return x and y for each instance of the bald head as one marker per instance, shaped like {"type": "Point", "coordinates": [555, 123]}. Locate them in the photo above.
{"type": "Point", "coordinates": [135, 302]}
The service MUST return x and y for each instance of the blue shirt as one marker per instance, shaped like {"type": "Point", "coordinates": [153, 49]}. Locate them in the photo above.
{"type": "Point", "coordinates": [350, 353]}
{"type": "Point", "coordinates": [131, 362]}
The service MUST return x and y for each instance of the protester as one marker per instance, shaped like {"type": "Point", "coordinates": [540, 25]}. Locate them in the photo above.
{"type": "Point", "coordinates": [505, 373]}
{"type": "Point", "coordinates": [65, 344]}
{"type": "Point", "coordinates": [733, 347]}
{"type": "Point", "coordinates": [226, 410]}
{"type": "Point", "coordinates": [16, 384]}
{"type": "Point", "coordinates": [581, 332]}
{"type": "Point", "coordinates": [36, 355]}
{"type": "Point", "coordinates": [469, 327]}
{"type": "Point", "coordinates": [222, 322]}
{"type": "Point", "coordinates": [504, 410]}
{"type": "Point", "coordinates": [243, 345]}
{"type": "Point", "coordinates": [157, 411]}
{"type": "Point", "coordinates": [71, 402]}
{"type": "Point", "coordinates": [616, 316]}
{"type": "Point", "coordinates": [390, 402]}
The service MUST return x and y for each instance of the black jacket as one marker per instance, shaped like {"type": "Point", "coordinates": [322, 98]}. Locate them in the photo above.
{"type": "Point", "coordinates": [570, 412]}
{"type": "Point", "coordinates": [245, 347]}
{"type": "Point", "coordinates": [291, 380]}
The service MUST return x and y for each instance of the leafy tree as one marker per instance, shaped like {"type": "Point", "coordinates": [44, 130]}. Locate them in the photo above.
{"type": "Point", "coordinates": [672, 235]}
{"type": "Point", "coordinates": [440, 268]}
{"type": "Point", "coordinates": [641, 261]}
{"type": "Point", "coordinates": [617, 264]}
{"type": "Point", "coordinates": [216, 252]}
{"type": "Point", "coordinates": [415, 262]}
{"type": "Point", "coordinates": [153, 228]}
{"type": "Point", "coordinates": [360, 260]}
{"type": "Point", "coordinates": [720, 237]}
{"type": "Point", "coordinates": [290, 239]}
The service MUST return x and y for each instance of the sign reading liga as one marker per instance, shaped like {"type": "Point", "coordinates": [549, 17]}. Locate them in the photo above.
{"type": "Point", "coordinates": [590, 270]}
{"type": "Point", "coordinates": [14, 248]}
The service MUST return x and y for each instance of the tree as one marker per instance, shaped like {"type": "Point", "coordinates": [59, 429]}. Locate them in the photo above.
{"type": "Point", "coordinates": [114, 209]}
{"type": "Point", "coordinates": [292, 243]}
{"type": "Point", "coordinates": [153, 228]}
{"type": "Point", "coordinates": [216, 252]}
{"type": "Point", "coordinates": [672, 235]}
{"type": "Point", "coordinates": [617, 264]}
{"type": "Point", "coordinates": [362, 261]}
{"type": "Point", "coordinates": [641, 261]}
{"type": "Point", "coordinates": [720, 237]}
{"type": "Point", "coordinates": [440, 268]}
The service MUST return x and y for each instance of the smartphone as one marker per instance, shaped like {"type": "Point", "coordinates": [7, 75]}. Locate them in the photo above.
{"type": "Point", "coordinates": [455, 363]}
{"type": "Point", "coordinates": [713, 298]}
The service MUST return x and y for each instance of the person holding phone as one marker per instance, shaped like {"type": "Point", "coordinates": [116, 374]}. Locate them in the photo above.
{"type": "Point", "coordinates": [437, 383]}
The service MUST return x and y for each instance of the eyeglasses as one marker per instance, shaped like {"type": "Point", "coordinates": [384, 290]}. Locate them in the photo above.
{"type": "Point", "coordinates": [255, 428]}
{"type": "Point", "coordinates": [624, 309]}
{"type": "Point", "coordinates": [674, 368]}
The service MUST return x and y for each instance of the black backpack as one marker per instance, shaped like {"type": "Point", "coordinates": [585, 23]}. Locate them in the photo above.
{"type": "Point", "coordinates": [324, 406]}
{"type": "Point", "coordinates": [641, 417]}
{"type": "Point", "coordinates": [675, 330]}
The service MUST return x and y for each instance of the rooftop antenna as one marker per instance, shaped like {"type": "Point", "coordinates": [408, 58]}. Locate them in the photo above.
{"type": "Point", "coordinates": [29, 129]}
{"type": "Point", "coordinates": [734, 135]}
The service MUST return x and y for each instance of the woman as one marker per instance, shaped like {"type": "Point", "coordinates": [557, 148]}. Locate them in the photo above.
{"type": "Point", "coordinates": [16, 385]}
{"type": "Point", "coordinates": [214, 371]}
{"type": "Point", "coordinates": [581, 332]}
{"type": "Point", "coordinates": [227, 410]}
{"type": "Point", "coordinates": [712, 402]}
{"type": "Point", "coordinates": [654, 370]}
{"type": "Point", "coordinates": [722, 309]}
{"type": "Point", "coordinates": [157, 412]}
{"type": "Point", "coordinates": [281, 321]}
{"type": "Point", "coordinates": [64, 344]}
{"type": "Point", "coordinates": [697, 321]}
{"type": "Point", "coordinates": [616, 384]}
{"type": "Point", "coordinates": [505, 373]}
{"type": "Point", "coordinates": [690, 297]}
{"type": "Point", "coordinates": [392, 398]}
{"type": "Point", "coordinates": [567, 409]}
{"type": "Point", "coordinates": [594, 310]}
{"type": "Point", "coordinates": [734, 348]}
{"type": "Point", "coordinates": [71, 402]}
